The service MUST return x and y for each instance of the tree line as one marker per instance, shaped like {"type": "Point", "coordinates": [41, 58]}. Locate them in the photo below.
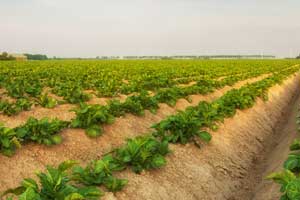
{"type": "Point", "coordinates": [6, 56]}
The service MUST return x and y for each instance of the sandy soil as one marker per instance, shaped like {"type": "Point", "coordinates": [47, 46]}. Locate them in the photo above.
{"type": "Point", "coordinates": [215, 171]}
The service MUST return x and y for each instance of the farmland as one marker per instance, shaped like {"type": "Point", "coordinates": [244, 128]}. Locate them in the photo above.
{"type": "Point", "coordinates": [107, 129]}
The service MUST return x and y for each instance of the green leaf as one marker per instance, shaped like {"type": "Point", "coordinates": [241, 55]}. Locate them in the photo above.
{"type": "Point", "coordinates": [204, 135]}
{"type": "Point", "coordinates": [68, 164]}
{"type": "Point", "coordinates": [30, 194]}
{"type": "Point", "coordinates": [56, 139]}
{"type": "Point", "coordinates": [28, 182]}
{"type": "Point", "coordinates": [158, 161]}
{"type": "Point", "coordinates": [16, 191]}
{"type": "Point", "coordinates": [293, 189]}
{"type": "Point", "coordinates": [113, 184]}
{"type": "Point", "coordinates": [94, 131]}
{"type": "Point", "coordinates": [295, 145]}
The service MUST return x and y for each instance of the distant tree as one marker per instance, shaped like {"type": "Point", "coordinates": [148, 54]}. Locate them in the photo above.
{"type": "Point", "coordinates": [36, 57]}
{"type": "Point", "coordinates": [5, 56]}
{"type": "Point", "coordinates": [298, 57]}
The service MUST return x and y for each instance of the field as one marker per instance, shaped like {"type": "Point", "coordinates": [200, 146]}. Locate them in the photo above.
{"type": "Point", "coordinates": [140, 129]}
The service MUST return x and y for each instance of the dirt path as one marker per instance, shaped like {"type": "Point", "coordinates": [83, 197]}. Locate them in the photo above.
{"type": "Point", "coordinates": [277, 151]}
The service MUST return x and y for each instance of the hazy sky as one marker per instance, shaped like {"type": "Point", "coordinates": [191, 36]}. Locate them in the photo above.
{"type": "Point", "coordinates": [89, 28]}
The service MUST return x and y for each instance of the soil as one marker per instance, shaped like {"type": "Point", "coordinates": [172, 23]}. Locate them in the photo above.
{"type": "Point", "coordinates": [216, 171]}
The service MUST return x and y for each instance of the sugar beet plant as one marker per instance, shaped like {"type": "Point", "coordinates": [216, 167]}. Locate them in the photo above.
{"type": "Point", "coordinates": [99, 172]}
{"type": "Point", "coordinates": [181, 128]}
{"type": "Point", "coordinates": [142, 153]}
{"type": "Point", "coordinates": [56, 184]}
{"type": "Point", "coordinates": [91, 117]}
{"type": "Point", "coordinates": [46, 101]}
{"type": "Point", "coordinates": [42, 131]}
{"type": "Point", "coordinates": [8, 141]}
{"type": "Point", "coordinates": [289, 178]}
{"type": "Point", "coordinates": [136, 104]}
{"type": "Point", "coordinates": [9, 109]}
{"type": "Point", "coordinates": [62, 183]}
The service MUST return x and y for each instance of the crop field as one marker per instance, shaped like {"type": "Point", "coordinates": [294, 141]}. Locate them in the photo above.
{"type": "Point", "coordinates": [90, 129]}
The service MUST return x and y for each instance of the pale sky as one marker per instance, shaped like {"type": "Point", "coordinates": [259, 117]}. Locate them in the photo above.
{"type": "Point", "coordinates": [89, 28]}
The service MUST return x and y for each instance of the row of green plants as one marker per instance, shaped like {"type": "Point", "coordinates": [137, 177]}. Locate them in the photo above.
{"type": "Point", "coordinates": [288, 178]}
{"type": "Point", "coordinates": [72, 181]}
{"type": "Point", "coordinates": [70, 79]}
{"type": "Point", "coordinates": [42, 131]}
{"type": "Point", "coordinates": [90, 117]}
{"type": "Point", "coordinates": [11, 108]}
{"type": "Point", "coordinates": [74, 94]}
{"type": "Point", "coordinates": [192, 124]}
{"type": "Point", "coordinates": [177, 128]}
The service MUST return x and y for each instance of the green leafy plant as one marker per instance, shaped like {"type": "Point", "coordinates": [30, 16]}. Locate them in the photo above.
{"type": "Point", "coordinates": [99, 172]}
{"type": "Point", "coordinates": [181, 128]}
{"type": "Point", "coordinates": [8, 141]}
{"type": "Point", "coordinates": [136, 104]}
{"type": "Point", "coordinates": [290, 184]}
{"type": "Point", "coordinates": [142, 153]}
{"type": "Point", "coordinates": [293, 162]}
{"type": "Point", "coordinates": [169, 95]}
{"type": "Point", "coordinates": [116, 108]}
{"type": "Point", "coordinates": [15, 108]}
{"type": "Point", "coordinates": [91, 117]}
{"type": "Point", "coordinates": [48, 102]}
{"type": "Point", "coordinates": [54, 184]}
{"type": "Point", "coordinates": [71, 93]}
{"type": "Point", "coordinates": [41, 131]}
{"type": "Point", "coordinates": [18, 88]}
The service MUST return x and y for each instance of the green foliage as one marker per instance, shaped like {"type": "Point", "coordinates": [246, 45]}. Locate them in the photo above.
{"type": "Point", "coordinates": [48, 102]}
{"type": "Point", "coordinates": [169, 95]}
{"type": "Point", "coordinates": [116, 108]}
{"type": "Point", "coordinates": [91, 117]}
{"type": "Point", "coordinates": [36, 57]}
{"type": "Point", "coordinates": [41, 131]}
{"type": "Point", "coordinates": [142, 153]}
{"type": "Point", "coordinates": [8, 141]}
{"type": "Point", "coordinates": [293, 162]}
{"type": "Point", "coordinates": [290, 184]}
{"type": "Point", "coordinates": [15, 108]}
{"type": "Point", "coordinates": [54, 184]}
{"type": "Point", "coordinates": [71, 93]}
{"type": "Point", "coordinates": [181, 128]}
{"type": "Point", "coordinates": [19, 88]}
{"type": "Point", "coordinates": [5, 56]}
{"type": "Point", "coordinates": [99, 172]}
{"type": "Point", "coordinates": [136, 104]}
{"type": "Point", "coordinates": [295, 145]}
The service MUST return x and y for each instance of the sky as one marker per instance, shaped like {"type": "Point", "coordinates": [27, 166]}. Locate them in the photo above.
{"type": "Point", "coordinates": [89, 28]}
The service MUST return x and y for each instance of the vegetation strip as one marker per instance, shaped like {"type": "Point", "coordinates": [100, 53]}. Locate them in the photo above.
{"type": "Point", "coordinates": [27, 83]}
